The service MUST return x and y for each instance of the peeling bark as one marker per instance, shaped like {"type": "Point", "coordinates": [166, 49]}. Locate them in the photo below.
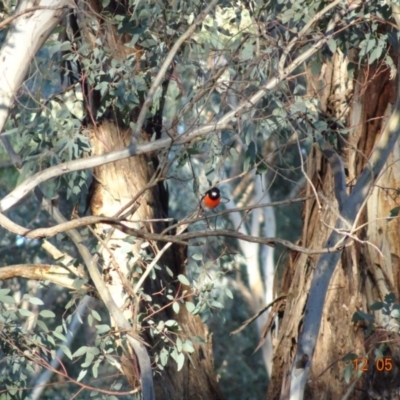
{"type": "Point", "coordinates": [367, 271]}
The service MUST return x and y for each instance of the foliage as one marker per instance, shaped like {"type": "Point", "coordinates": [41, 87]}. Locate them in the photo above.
{"type": "Point", "coordinates": [235, 50]}
{"type": "Point", "coordinates": [379, 325]}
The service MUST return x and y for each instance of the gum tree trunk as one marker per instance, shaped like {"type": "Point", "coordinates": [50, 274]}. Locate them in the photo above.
{"type": "Point", "coordinates": [368, 269]}
{"type": "Point", "coordinates": [115, 185]}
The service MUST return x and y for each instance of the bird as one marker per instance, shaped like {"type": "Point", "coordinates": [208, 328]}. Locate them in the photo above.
{"type": "Point", "coordinates": [211, 199]}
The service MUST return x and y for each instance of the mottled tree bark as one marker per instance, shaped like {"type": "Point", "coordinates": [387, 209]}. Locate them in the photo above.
{"type": "Point", "coordinates": [114, 186]}
{"type": "Point", "coordinates": [369, 268]}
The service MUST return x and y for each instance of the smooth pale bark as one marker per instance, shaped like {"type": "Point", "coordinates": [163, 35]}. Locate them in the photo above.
{"type": "Point", "coordinates": [161, 144]}
{"type": "Point", "coordinates": [259, 259]}
{"type": "Point", "coordinates": [25, 37]}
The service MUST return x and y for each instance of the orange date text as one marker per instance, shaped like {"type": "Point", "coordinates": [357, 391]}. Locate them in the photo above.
{"type": "Point", "coordinates": [381, 364]}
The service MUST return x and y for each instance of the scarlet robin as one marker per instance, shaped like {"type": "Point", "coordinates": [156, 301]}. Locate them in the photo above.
{"type": "Point", "coordinates": [212, 198]}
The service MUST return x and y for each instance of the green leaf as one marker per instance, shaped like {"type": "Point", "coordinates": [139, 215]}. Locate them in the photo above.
{"type": "Point", "coordinates": [182, 279]}
{"type": "Point", "coordinates": [25, 313]}
{"type": "Point", "coordinates": [179, 344]}
{"type": "Point", "coordinates": [88, 360]}
{"type": "Point", "coordinates": [371, 43]}
{"type": "Point", "coordinates": [390, 298]}
{"type": "Point", "coordinates": [96, 315]}
{"type": "Point", "coordinates": [316, 67]}
{"type": "Point", "coordinates": [101, 329]}
{"type": "Point", "coordinates": [180, 359]}
{"type": "Point", "coordinates": [395, 313]}
{"type": "Point", "coordinates": [4, 292]}
{"type": "Point", "coordinates": [376, 53]}
{"type": "Point", "coordinates": [36, 301]}
{"type": "Point", "coordinates": [47, 314]}
{"type": "Point", "coordinates": [82, 374]}
{"type": "Point", "coordinates": [188, 346]}
{"type": "Point", "coordinates": [362, 316]}
{"type": "Point", "coordinates": [164, 355]}
{"type": "Point", "coordinates": [81, 351]}
{"type": "Point", "coordinates": [378, 353]}
{"type": "Point", "coordinates": [171, 323]}
{"type": "Point", "coordinates": [332, 45]}
{"type": "Point", "coordinates": [234, 154]}
{"type": "Point", "coordinates": [199, 339]}
{"type": "Point", "coordinates": [394, 212]}
{"type": "Point", "coordinates": [11, 389]}
{"type": "Point", "coordinates": [66, 351]}
{"type": "Point", "coordinates": [78, 283]}
{"type": "Point", "coordinates": [60, 336]}
{"type": "Point", "coordinates": [7, 300]}
{"type": "Point", "coordinates": [95, 368]}
{"type": "Point", "coordinates": [42, 325]}
{"type": "Point", "coordinates": [216, 304]}
{"type": "Point", "coordinates": [229, 293]}
{"type": "Point", "coordinates": [347, 372]}
{"type": "Point", "coordinates": [116, 386]}
{"type": "Point", "coordinates": [190, 306]}
{"type": "Point", "coordinates": [349, 357]}
{"type": "Point", "coordinates": [377, 306]}
{"type": "Point", "coordinates": [176, 307]}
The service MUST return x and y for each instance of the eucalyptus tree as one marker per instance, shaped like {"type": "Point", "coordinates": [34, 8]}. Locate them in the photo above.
{"type": "Point", "coordinates": [154, 103]}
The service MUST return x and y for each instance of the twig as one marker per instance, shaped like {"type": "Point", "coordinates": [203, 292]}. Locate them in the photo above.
{"type": "Point", "coordinates": [179, 239]}
{"type": "Point", "coordinates": [8, 20]}
{"type": "Point", "coordinates": [133, 150]}
{"type": "Point", "coordinates": [254, 317]}
{"type": "Point", "coordinates": [168, 60]}
{"type": "Point", "coordinates": [304, 31]}
{"type": "Point", "coordinates": [146, 375]}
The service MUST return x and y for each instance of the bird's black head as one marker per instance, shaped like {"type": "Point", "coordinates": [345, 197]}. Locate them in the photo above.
{"type": "Point", "coordinates": [214, 193]}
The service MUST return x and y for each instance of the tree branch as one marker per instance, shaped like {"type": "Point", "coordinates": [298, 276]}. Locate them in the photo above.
{"type": "Point", "coordinates": [64, 226]}
{"type": "Point", "coordinates": [146, 374]}
{"type": "Point", "coordinates": [25, 37]}
{"type": "Point", "coordinates": [167, 62]}
{"type": "Point", "coordinates": [327, 263]}
{"type": "Point", "coordinates": [67, 226]}
{"type": "Point", "coordinates": [134, 150]}
{"type": "Point", "coordinates": [42, 272]}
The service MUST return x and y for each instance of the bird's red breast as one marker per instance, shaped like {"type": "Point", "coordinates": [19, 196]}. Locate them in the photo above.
{"type": "Point", "coordinates": [212, 198]}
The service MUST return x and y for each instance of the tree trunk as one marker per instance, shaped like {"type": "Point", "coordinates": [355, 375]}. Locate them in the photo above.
{"type": "Point", "coordinates": [114, 186]}
{"type": "Point", "coordinates": [368, 269]}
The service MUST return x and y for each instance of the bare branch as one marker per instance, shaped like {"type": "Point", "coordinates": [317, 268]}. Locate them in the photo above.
{"type": "Point", "coordinates": [146, 375]}
{"type": "Point", "coordinates": [161, 73]}
{"type": "Point", "coordinates": [37, 26]}
{"type": "Point", "coordinates": [14, 157]}
{"type": "Point", "coordinates": [304, 31]}
{"type": "Point", "coordinates": [161, 144]}
{"type": "Point", "coordinates": [8, 20]}
{"type": "Point", "coordinates": [328, 262]}
{"type": "Point", "coordinates": [42, 272]}
{"type": "Point", "coordinates": [6, 223]}
{"type": "Point", "coordinates": [255, 316]}
{"type": "Point", "coordinates": [68, 226]}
